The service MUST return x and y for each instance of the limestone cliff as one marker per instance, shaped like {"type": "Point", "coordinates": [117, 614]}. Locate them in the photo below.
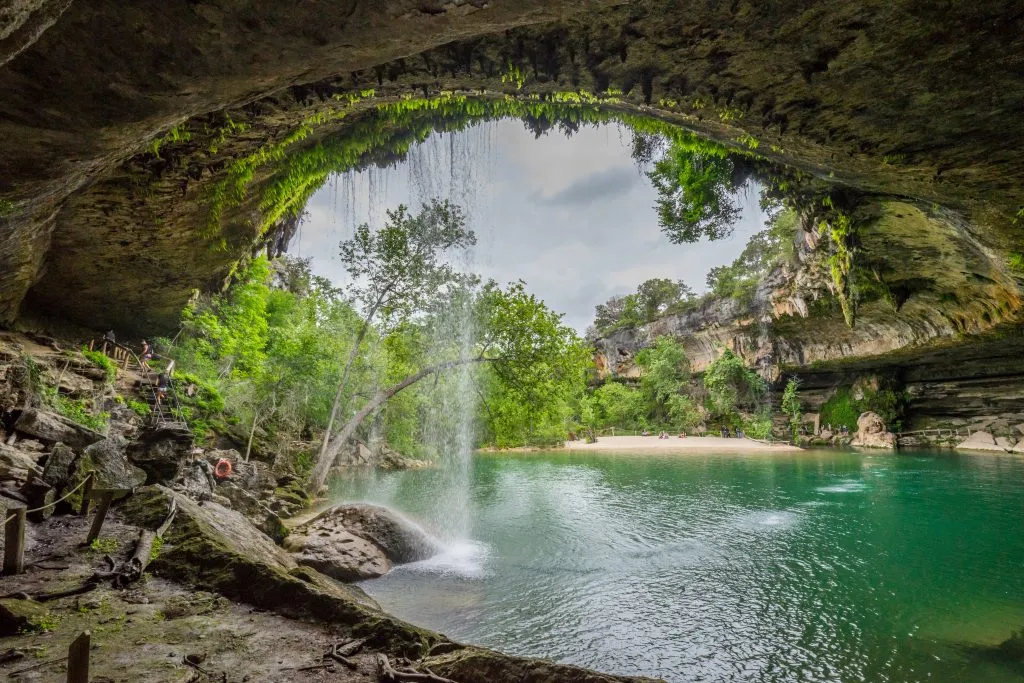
{"type": "Point", "coordinates": [894, 99]}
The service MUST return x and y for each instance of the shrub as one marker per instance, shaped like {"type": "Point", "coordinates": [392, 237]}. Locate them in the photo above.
{"type": "Point", "coordinates": [75, 409]}
{"type": "Point", "coordinates": [140, 408]}
{"type": "Point", "coordinates": [100, 360]}
{"type": "Point", "coordinates": [840, 409]}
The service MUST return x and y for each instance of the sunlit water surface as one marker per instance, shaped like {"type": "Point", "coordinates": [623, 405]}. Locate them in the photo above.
{"type": "Point", "coordinates": [807, 567]}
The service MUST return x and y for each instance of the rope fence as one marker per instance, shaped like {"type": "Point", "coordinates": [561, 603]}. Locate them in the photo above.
{"type": "Point", "coordinates": [67, 495]}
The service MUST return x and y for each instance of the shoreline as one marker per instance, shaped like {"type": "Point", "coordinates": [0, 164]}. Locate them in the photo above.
{"type": "Point", "coordinates": [691, 445]}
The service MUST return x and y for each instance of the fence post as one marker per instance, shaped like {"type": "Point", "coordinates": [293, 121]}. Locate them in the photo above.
{"type": "Point", "coordinates": [78, 658]}
{"type": "Point", "coordinates": [14, 543]}
{"type": "Point", "coordinates": [101, 513]}
{"type": "Point", "coordinates": [86, 493]}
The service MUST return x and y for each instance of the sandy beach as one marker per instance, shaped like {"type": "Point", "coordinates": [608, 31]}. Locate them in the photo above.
{"type": "Point", "coordinates": [673, 444]}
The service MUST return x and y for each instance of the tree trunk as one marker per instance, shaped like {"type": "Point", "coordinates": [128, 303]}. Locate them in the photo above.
{"type": "Point", "coordinates": [330, 452]}
{"type": "Point", "coordinates": [336, 406]}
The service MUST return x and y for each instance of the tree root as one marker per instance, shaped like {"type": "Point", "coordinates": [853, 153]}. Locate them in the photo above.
{"type": "Point", "coordinates": [388, 674]}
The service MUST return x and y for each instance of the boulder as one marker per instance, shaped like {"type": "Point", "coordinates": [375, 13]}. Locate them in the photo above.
{"type": "Point", "coordinates": [337, 553]}
{"type": "Point", "coordinates": [161, 452]}
{"type": "Point", "coordinates": [398, 538]}
{"type": "Point", "coordinates": [52, 428]}
{"type": "Point", "coordinates": [389, 459]}
{"type": "Point", "coordinates": [15, 461]}
{"type": "Point", "coordinates": [980, 441]}
{"type": "Point", "coordinates": [109, 464]}
{"type": "Point", "coordinates": [249, 505]}
{"type": "Point", "coordinates": [218, 549]}
{"type": "Point", "coordinates": [251, 475]}
{"type": "Point", "coordinates": [1004, 443]}
{"type": "Point", "coordinates": [196, 480]}
{"type": "Point", "coordinates": [59, 466]}
{"type": "Point", "coordinates": [20, 616]}
{"type": "Point", "coordinates": [872, 433]}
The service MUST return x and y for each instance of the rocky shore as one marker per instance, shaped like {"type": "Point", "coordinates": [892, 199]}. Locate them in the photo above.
{"type": "Point", "coordinates": [228, 592]}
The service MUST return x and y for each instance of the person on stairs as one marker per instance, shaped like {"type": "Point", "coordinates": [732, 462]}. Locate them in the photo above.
{"type": "Point", "coordinates": [147, 354]}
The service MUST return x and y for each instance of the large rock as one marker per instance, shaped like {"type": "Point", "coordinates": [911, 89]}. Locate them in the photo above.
{"type": "Point", "coordinates": [110, 467]}
{"type": "Point", "coordinates": [59, 466]}
{"type": "Point", "coordinates": [400, 539]}
{"type": "Point", "coordinates": [872, 433]}
{"type": "Point", "coordinates": [333, 551]}
{"type": "Point", "coordinates": [52, 428]}
{"type": "Point", "coordinates": [981, 441]}
{"type": "Point", "coordinates": [16, 463]}
{"type": "Point", "coordinates": [259, 514]}
{"type": "Point", "coordinates": [161, 452]}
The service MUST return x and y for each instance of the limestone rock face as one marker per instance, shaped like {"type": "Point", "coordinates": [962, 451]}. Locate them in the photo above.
{"type": "Point", "coordinates": [218, 549]}
{"type": "Point", "coordinates": [872, 433]}
{"type": "Point", "coordinates": [14, 460]}
{"type": "Point", "coordinates": [52, 428]}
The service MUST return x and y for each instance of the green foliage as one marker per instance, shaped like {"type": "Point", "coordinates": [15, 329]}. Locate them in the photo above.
{"type": "Point", "coordinates": [666, 373]}
{"type": "Point", "coordinates": [840, 409]}
{"type": "Point", "coordinates": [537, 372]}
{"type": "Point", "coordinates": [100, 360]}
{"type": "Point", "coordinates": [6, 207]}
{"type": "Point", "coordinates": [104, 545]}
{"type": "Point", "coordinates": [176, 134]}
{"type": "Point", "coordinates": [791, 404]}
{"type": "Point", "coordinates": [43, 623]}
{"type": "Point", "coordinates": [75, 409]}
{"type": "Point", "coordinates": [513, 75]}
{"type": "Point", "coordinates": [158, 544]}
{"type": "Point", "coordinates": [616, 405]}
{"type": "Point", "coordinates": [1016, 262]}
{"type": "Point", "coordinates": [730, 384]}
{"type": "Point", "coordinates": [758, 426]}
{"type": "Point", "coordinates": [764, 250]}
{"type": "Point", "coordinates": [653, 299]}
{"type": "Point", "coordinates": [140, 408]}
{"type": "Point", "coordinates": [840, 229]}
{"type": "Point", "coordinates": [843, 409]}
{"type": "Point", "coordinates": [695, 186]}
{"type": "Point", "coordinates": [388, 129]}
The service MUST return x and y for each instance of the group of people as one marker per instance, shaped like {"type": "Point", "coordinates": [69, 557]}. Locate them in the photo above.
{"type": "Point", "coordinates": [662, 434]}
{"type": "Point", "coordinates": [738, 432]}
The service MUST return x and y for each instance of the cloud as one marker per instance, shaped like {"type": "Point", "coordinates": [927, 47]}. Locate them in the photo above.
{"type": "Point", "coordinates": [605, 186]}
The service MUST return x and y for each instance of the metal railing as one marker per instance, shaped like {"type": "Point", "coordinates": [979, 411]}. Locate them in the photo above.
{"type": "Point", "coordinates": [163, 411]}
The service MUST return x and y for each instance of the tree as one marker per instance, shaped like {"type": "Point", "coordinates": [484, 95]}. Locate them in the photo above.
{"type": "Point", "coordinates": [657, 296]}
{"type": "Point", "coordinates": [523, 342]}
{"type": "Point", "coordinates": [791, 404]}
{"type": "Point", "coordinates": [395, 270]}
{"type": "Point", "coordinates": [696, 189]}
{"type": "Point", "coordinates": [666, 372]}
{"type": "Point", "coordinates": [729, 382]}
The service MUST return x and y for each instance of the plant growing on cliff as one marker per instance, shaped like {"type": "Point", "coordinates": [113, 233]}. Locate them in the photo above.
{"type": "Point", "coordinates": [101, 360]}
{"type": "Point", "coordinates": [730, 383]}
{"type": "Point", "coordinates": [791, 404]}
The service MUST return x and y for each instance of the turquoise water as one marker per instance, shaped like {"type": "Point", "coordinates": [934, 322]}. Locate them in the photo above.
{"type": "Point", "coordinates": [820, 566]}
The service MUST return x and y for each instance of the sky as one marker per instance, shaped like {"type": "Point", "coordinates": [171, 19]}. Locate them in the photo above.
{"type": "Point", "coordinates": [571, 216]}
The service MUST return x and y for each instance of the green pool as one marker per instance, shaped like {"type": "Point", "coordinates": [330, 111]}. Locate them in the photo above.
{"type": "Point", "coordinates": [818, 566]}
